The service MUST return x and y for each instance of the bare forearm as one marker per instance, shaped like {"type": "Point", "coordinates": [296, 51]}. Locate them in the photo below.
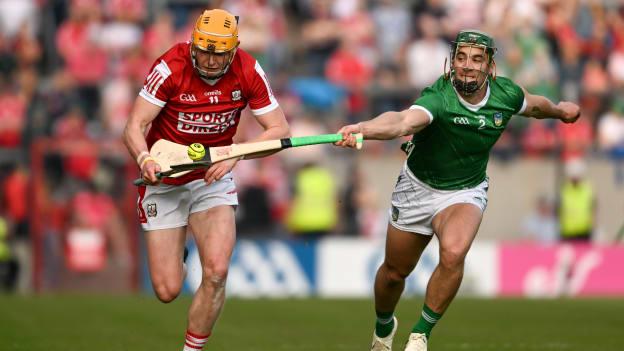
{"type": "Point", "coordinates": [271, 133]}
{"type": "Point", "coordinates": [386, 126]}
{"type": "Point", "coordinates": [543, 108]}
{"type": "Point", "coordinates": [134, 139]}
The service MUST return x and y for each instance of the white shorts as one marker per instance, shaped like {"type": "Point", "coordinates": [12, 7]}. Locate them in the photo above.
{"type": "Point", "coordinates": [169, 206]}
{"type": "Point", "coordinates": [414, 203]}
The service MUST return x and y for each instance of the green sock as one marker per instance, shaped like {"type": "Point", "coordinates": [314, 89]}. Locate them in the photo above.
{"type": "Point", "coordinates": [427, 321]}
{"type": "Point", "coordinates": [384, 324]}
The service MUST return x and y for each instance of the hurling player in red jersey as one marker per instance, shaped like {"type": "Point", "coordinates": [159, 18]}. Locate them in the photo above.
{"type": "Point", "coordinates": [195, 92]}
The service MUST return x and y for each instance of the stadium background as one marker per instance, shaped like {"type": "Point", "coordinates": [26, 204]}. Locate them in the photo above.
{"type": "Point", "coordinates": [70, 71]}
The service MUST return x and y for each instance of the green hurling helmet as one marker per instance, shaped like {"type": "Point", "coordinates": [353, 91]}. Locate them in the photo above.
{"type": "Point", "coordinates": [475, 38]}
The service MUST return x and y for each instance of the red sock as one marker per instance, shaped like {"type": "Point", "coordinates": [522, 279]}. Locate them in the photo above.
{"type": "Point", "coordinates": [194, 342]}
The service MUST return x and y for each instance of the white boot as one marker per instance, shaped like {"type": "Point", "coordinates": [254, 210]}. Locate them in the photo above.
{"type": "Point", "coordinates": [416, 342]}
{"type": "Point", "coordinates": [384, 344]}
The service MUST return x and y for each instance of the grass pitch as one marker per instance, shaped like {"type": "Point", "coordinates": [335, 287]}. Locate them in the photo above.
{"type": "Point", "coordinates": [137, 323]}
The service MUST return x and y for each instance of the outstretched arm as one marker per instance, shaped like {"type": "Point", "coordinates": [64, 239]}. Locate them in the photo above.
{"type": "Point", "coordinates": [386, 126]}
{"type": "Point", "coordinates": [540, 107]}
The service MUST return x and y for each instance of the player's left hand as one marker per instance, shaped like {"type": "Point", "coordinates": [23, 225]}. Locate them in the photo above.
{"type": "Point", "coordinates": [348, 135]}
{"type": "Point", "coordinates": [219, 169]}
{"type": "Point", "coordinates": [571, 111]}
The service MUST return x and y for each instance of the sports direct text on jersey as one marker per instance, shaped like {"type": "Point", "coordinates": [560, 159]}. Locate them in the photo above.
{"type": "Point", "coordinates": [206, 122]}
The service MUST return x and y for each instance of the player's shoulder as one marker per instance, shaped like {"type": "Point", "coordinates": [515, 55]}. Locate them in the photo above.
{"type": "Point", "coordinates": [504, 89]}
{"type": "Point", "coordinates": [177, 57]}
{"type": "Point", "coordinates": [504, 82]}
{"type": "Point", "coordinates": [245, 58]}
{"type": "Point", "coordinates": [243, 62]}
{"type": "Point", "coordinates": [439, 87]}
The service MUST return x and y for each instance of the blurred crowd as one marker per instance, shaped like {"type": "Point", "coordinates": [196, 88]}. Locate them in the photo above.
{"type": "Point", "coordinates": [71, 69]}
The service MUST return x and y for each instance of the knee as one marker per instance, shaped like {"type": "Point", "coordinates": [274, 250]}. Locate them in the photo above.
{"type": "Point", "coordinates": [166, 290]}
{"type": "Point", "coordinates": [394, 275]}
{"type": "Point", "coordinates": [452, 259]}
{"type": "Point", "coordinates": [215, 274]}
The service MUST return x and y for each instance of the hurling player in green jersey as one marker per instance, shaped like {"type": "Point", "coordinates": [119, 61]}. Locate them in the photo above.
{"type": "Point", "coordinates": [442, 188]}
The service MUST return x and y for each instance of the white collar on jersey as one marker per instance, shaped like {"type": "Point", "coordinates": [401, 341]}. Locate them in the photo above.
{"type": "Point", "coordinates": [474, 107]}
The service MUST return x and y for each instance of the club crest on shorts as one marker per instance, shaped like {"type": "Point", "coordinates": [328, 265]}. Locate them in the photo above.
{"type": "Point", "coordinates": [498, 119]}
{"type": "Point", "coordinates": [395, 214]}
{"type": "Point", "coordinates": [236, 95]}
{"type": "Point", "coordinates": [151, 210]}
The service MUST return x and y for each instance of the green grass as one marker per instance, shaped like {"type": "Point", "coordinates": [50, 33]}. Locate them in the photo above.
{"type": "Point", "coordinates": [137, 323]}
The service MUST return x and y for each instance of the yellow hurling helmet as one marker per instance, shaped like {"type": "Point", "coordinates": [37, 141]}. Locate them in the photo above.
{"type": "Point", "coordinates": [216, 31]}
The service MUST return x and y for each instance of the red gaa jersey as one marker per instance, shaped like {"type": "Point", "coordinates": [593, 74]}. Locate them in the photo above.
{"type": "Point", "coordinates": [194, 111]}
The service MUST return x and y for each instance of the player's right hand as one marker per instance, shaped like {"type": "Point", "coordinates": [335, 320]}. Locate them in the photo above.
{"type": "Point", "coordinates": [148, 172]}
{"type": "Point", "coordinates": [571, 111]}
{"type": "Point", "coordinates": [348, 139]}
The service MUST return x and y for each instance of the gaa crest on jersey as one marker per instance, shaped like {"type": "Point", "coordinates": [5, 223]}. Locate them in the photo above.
{"type": "Point", "coordinates": [151, 210]}
{"type": "Point", "coordinates": [498, 119]}
{"type": "Point", "coordinates": [236, 95]}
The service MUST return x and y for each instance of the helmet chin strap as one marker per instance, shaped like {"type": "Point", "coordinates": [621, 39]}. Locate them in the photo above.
{"type": "Point", "coordinates": [203, 74]}
{"type": "Point", "coordinates": [465, 87]}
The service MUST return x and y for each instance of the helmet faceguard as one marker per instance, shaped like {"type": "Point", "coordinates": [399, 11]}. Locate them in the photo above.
{"type": "Point", "coordinates": [472, 39]}
{"type": "Point", "coordinates": [215, 32]}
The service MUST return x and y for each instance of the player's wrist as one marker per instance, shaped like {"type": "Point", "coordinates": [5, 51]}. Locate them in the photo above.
{"type": "Point", "coordinates": [145, 160]}
{"type": "Point", "coordinates": [141, 157]}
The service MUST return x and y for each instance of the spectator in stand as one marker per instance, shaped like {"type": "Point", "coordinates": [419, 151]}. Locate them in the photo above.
{"type": "Point", "coordinates": [80, 160]}
{"type": "Point", "coordinates": [48, 105]}
{"type": "Point", "coordinates": [14, 15]}
{"type": "Point", "coordinates": [261, 183]}
{"type": "Point", "coordinates": [15, 199]}
{"type": "Point", "coordinates": [575, 139]}
{"type": "Point", "coordinates": [12, 115]}
{"type": "Point", "coordinates": [122, 31]}
{"type": "Point", "coordinates": [313, 211]}
{"type": "Point", "coordinates": [611, 137]}
{"type": "Point", "coordinates": [388, 90]}
{"type": "Point", "coordinates": [539, 139]}
{"type": "Point", "coordinates": [357, 23]}
{"type": "Point", "coordinates": [8, 59]}
{"type": "Point", "coordinates": [348, 70]}
{"type": "Point", "coordinates": [528, 61]}
{"type": "Point", "coordinates": [577, 204]}
{"type": "Point", "coordinates": [320, 36]}
{"type": "Point", "coordinates": [78, 45]}
{"type": "Point", "coordinates": [9, 267]}
{"type": "Point", "coordinates": [159, 36]}
{"type": "Point", "coordinates": [360, 213]}
{"type": "Point", "coordinates": [393, 26]}
{"type": "Point", "coordinates": [439, 10]}
{"type": "Point", "coordinates": [117, 99]}
{"type": "Point", "coordinates": [423, 56]}
{"type": "Point", "coordinates": [16, 202]}
{"type": "Point", "coordinates": [96, 238]}
{"type": "Point", "coordinates": [255, 26]}
{"type": "Point", "coordinates": [541, 225]}
{"type": "Point", "coordinates": [595, 79]}
{"type": "Point", "coordinates": [27, 49]}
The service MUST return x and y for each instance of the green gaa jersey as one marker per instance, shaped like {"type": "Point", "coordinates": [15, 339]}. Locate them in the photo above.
{"type": "Point", "coordinates": [452, 152]}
